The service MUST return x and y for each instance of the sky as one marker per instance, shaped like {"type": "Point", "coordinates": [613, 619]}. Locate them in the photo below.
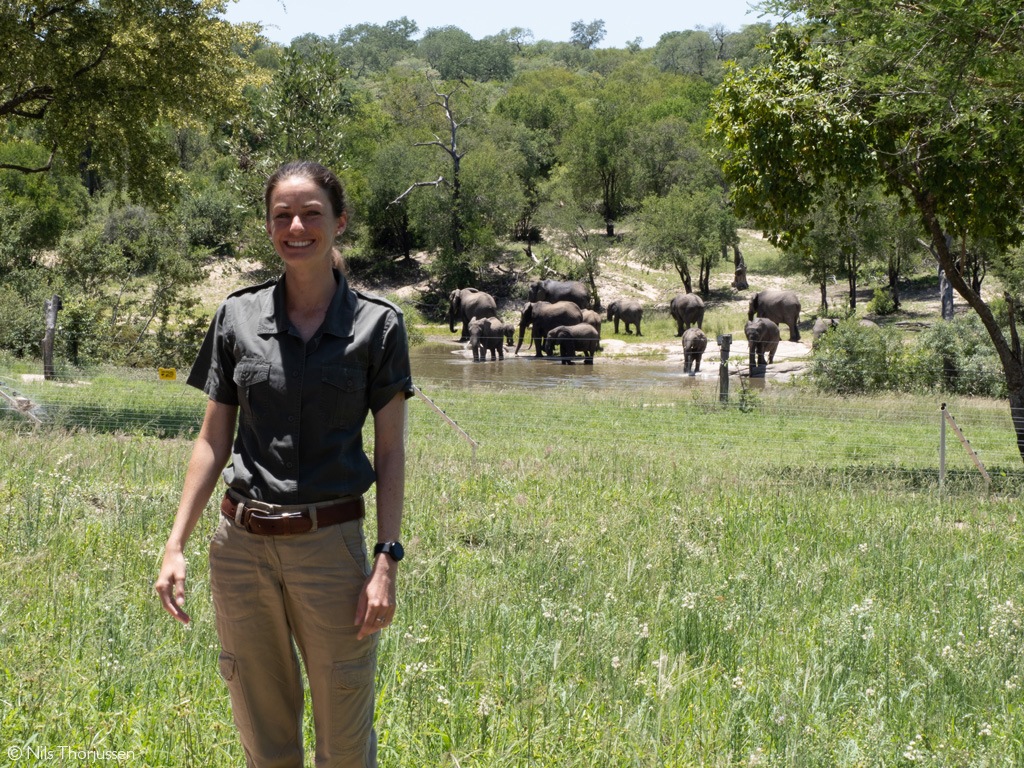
{"type": "Point", "coordinates": [284, 20]}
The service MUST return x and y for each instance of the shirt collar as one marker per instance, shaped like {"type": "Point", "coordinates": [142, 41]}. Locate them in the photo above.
{"type": "Point", "coordinates": [340, 314]}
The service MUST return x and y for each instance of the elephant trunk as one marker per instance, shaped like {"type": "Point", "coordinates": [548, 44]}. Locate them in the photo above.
{"type": "Point", "coordinates": [522, 333]}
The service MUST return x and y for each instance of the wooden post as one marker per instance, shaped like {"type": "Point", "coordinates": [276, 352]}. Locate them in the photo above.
{"type": "Point", "coordinates": [970, 451]}
{"type": "Point", "coordinates": [53, 306]}
{"type": "Point", "coordinates": [724, 341]}
{"type": "Point", "coordinates": [942, 447]}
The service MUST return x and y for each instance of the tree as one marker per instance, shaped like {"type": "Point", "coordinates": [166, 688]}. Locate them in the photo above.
{"type": "Point", "coordinates": [933, 113]}
{"type": "Point", "coordinates": [299, 113]}
{"type": "Point", "coordinates": [587, 35]}
{"type": "Point", "coordinates": [457, 56]}
{"type": "Point", "coordinates": [683, 227]}
{"type": "Point", "coordinates": [92, 80]}
{"type": "Point", "coordinates": [374, 48]}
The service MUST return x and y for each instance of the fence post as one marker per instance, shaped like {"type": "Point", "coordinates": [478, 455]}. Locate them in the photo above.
{"type": "Point", "coordinates": [52, 306]}
{"type": "Point", "coordinates": [724, 341]}
{"type": "Point", "coordinates": [942, 447]}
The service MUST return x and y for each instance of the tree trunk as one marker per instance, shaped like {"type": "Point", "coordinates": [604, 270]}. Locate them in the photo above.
{"type": "Point", "coordinates": [850, 259]}
{"type": "Point", "coordinates": [823, 287]}
{"type": "Point", "coordinates": [739, 281]}
{"type": "Point", "coordinates": [895, 262]}
{"type": "Point", "coordinates": [52, 306]}
{"type": "Point", "coordinates": [684, 275]}
{"type": "Point", "coordinates": [1009, 356]}
{"type": "Point", "coordinates": [609, 228]}
{"type": "Point", "coordinates": [946, 295]}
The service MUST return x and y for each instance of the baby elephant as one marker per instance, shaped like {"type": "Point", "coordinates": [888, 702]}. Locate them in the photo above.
{"type": "Point", "coordinates": [572, 339]}
{"type": "Point", "coordinates": [489, 333]}
{"type": "Point", "coordinates": [762, 336]}
{"type": "Point", "coordinates": [629, 311]}
{"type": "Point", "coordinates": [694, 343]}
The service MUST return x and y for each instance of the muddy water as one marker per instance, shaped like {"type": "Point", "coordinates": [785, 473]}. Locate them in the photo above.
{"type": "Point", "coordinates": [454, 365]}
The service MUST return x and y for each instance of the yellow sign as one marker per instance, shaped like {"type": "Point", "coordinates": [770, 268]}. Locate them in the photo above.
{"type": "Point", "coordinates": [167, 374]}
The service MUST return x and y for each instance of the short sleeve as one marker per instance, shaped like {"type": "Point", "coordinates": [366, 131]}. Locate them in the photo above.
{"type": "Point", "coordinates": [214, 369]}
{"type": "Point", "coordinates": [391, 372]}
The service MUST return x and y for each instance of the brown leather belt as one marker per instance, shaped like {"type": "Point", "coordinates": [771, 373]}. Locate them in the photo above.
{"type": "Point", "coordinates": [292, 521]}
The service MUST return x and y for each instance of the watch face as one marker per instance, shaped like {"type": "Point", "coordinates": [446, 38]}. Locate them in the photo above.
{"type": "Point", "coordinates": [392, 549]}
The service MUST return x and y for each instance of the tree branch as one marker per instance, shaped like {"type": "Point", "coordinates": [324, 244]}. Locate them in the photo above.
{"type": "Point", "coordinates": [440, 180]}
{"type": "Point", "coordinates": [24, 169]}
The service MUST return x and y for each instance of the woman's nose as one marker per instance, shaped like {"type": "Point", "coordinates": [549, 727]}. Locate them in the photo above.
{"type": "Point", "coordinates": [296, 225]}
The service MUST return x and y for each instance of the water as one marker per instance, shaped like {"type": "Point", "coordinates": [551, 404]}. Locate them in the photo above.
{"type": "Point", "coordinates": [453, 364]}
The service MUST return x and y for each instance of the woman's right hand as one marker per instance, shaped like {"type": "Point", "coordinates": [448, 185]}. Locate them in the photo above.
{"type": "Point", "coordinates": [170, 584]}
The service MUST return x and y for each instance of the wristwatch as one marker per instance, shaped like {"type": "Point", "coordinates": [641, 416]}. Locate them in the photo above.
{"type": "Point", "coordinates": [392, 549]}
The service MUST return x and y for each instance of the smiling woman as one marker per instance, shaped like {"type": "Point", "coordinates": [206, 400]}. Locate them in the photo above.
{"type": "Point", "coordinates": [305, 359]}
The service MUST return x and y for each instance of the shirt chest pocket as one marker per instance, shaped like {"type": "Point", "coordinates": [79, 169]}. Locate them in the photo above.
{"type": "Point", "coordinates": [252, 378]}
{"type": "Point", "coordinates": [344, 395]}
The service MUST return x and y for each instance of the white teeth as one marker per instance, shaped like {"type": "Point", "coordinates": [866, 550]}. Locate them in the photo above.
{"type": "Point", "coordinates": [299, 244]}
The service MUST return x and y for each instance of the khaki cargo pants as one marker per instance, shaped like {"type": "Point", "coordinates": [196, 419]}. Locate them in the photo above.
{"type": "Point", "coordinates": [268, 590]}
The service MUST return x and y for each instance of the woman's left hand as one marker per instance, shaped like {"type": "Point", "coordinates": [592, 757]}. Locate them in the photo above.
{"type": "Point", "coordinates": [377, 602]}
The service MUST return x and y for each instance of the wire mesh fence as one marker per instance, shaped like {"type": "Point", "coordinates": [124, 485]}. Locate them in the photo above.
{"type": "Point", "coordinates": [787, 430]}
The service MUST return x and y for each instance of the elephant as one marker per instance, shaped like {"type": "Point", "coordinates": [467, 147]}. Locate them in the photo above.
{"type": "Point", "coordinates": [687, 309]}
{"type": "Point", "coordinates": [489, 334]}
{"type": "Point", "coordinates": [542, 316]}
{"type": "Point", "coordinates": [628, 311]}
{"type": "Point", "coordinates": [695, 341]}
{"type": "Point", "coordinates": [779, 307]}
{"type": "Point", "coordinates": [558, 290]}
{"type": "Point", "coordinates": [590, 317]}
{"type": "Point", "coordinates": [762, 336]}
{"type": "Point", "coordinates": [572, 339]}
{"type": "Point", "coordinates": [822, 326]}
{"type": "Point", "coordinates": [467, 303]}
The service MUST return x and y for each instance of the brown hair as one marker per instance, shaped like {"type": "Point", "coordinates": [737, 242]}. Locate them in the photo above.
{"type": "Point", "coordinates": [324, 178]}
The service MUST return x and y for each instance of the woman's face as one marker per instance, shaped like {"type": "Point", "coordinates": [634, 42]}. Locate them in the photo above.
{"type": "Point", "coordinates": [301, 223]}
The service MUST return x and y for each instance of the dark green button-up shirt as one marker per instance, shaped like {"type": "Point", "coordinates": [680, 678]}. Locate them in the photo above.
{"type": "Point", "coordinates": [302, 404]}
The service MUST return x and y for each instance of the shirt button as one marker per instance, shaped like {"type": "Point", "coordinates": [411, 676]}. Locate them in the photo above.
{"type": "Point", "coordinates": [289, 465]}
{"type": "Point", "coordinates": [296, 375]}
{"type": "Point", "coordinates": [291, 419]}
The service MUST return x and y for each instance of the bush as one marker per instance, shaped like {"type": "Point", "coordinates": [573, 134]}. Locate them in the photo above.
{"type": "Point", "coordinates": [22, 323]}
{"type": "Point", "coordinates": [211, 219]}
{"type": "Point", "coordinates": [955, 357]}
{"type": "Point", "coordinates": [882, 302]}
{"type": "Point", "coordinates": [854, 358]}
{"type": "Point", "coordinates": [958, 356]}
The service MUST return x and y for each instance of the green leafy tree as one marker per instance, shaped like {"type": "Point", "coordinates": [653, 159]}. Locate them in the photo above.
{"type": "Point", "coordinates": [684, 227]}
{"type": "Point", "coordinates": [93, 80]}
{"type": "Point", "coordinates": [922, 99]}
{"type": "Point", "coordinates": [457, 56]}
{"type": "Point", "coordinates": [373, 48]}
{"type": "Point", "coordinates": [587, 35]}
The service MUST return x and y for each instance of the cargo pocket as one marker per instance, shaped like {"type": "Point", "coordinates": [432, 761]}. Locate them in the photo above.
{"type": "Point", "coordinates": [353, 697]}
{"type": "Point", "coordinates": [239, 708]}
{"type": "Point", "coordinates": [344, 401]}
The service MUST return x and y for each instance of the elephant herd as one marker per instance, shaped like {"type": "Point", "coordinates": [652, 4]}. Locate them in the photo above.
{"type": "Point", "coordinates": [559, 316]}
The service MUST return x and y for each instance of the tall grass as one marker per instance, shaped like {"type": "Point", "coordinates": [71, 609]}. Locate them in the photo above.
{"type": "Point", "coordinates": [619, 578]}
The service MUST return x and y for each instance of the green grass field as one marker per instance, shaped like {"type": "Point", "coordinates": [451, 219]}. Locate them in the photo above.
{"type": "Point", "coordinates": [618, 579]}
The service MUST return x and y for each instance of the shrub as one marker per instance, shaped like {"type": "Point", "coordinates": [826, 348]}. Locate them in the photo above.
{"type": "Point", "coordinates": [952, 357]}
{"type": "Point", "coordinates": [882, 302]}
{"type": "Point", "coordinates": [855, 358]}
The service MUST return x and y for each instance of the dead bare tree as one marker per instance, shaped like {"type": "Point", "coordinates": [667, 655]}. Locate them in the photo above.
{"type": "Point", "coordinates": [451, 146]}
